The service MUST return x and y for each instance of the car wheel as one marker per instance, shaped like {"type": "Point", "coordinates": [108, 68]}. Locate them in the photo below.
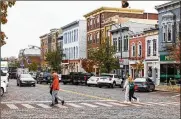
{"type": "Point", "coordinates": [113, 85]}
{"type": "Point", "coordinates": [99, 86]}
{"type": "Point", "coordinates": [20, 84]}
{"type": "Point", "coordinates": [88, 85]}
{"type": "Point", "coordinates": [2, 91]}
{"type": "Point", "coordinates": [64, 83]}
{"type": "Point", "coordinates": [34, 85]}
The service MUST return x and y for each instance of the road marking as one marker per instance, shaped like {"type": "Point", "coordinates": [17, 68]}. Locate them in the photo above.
{"type": "Point", "coordinates": [175, 96]}
{"type": "Point", "coordinates": [28, 106]}
{"type": "Point", "coordinates": [141, 103]}
{"type": "Point", "coordinates": [118, 104]}
{"type": "Point", "coordinates": [102, 104]}
{"type": "Point", "coordinates": [12, 106]}
{"type": "Point", "coordinates": [44, 106]}
{"type": "Point", "coordinates": [170, 103]}
{"type": "Point", "coordinates": [74, 105]}
{"type": "Point", "coordinates": [156, 103]}
{"type": "Point", "coordinates": [60, 106]}
{"type": "Point", "coordinates": [86, 95]}
{"type": "Point", "coordinates": [90, 105]}
{"type": "Point", "coordinates": [134, 104]}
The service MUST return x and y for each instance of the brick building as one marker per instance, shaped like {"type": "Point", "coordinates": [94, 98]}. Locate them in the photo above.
{"type": "Point", "coordinates": [136, 53]}
{"type": "Point", "coordinates": [97, 30]}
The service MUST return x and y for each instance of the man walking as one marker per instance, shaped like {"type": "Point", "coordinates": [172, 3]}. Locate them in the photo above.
{"type": "Point", "coordinates": [55, 89]}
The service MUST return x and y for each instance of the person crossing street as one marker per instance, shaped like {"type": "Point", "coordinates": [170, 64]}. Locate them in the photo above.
{"type": "Point", "coordinates": [55, 88]}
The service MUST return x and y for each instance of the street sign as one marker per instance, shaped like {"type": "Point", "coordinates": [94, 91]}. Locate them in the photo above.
{"type": "Point", "coordinates": [121, 65]}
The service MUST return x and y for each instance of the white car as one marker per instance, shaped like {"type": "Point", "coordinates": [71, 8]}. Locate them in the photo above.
{"type": "Point", "coordinates": [92, 80]}
{"type": "Point", "coordinates": [3, 87]}
{"type": "Point", "coordinates": [4, 77]}
{"type": "Point", "coordinates": [110, 80]}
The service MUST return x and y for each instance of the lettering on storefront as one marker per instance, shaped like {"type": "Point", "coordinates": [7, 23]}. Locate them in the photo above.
{"type": "Point", "coordinates": [165, 58]}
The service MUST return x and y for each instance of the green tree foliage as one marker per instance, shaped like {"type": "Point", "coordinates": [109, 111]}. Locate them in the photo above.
{"type": "Point", "coordinates": [139, 66]}
{"type": "Point", "coordinates": [54, 59]}
{"type": "Point", "coordinates": [33, 66]}
{"type": "Point", "coordinates": [104, 57]}
{"type": "Point", "coordinates": [14, 64]}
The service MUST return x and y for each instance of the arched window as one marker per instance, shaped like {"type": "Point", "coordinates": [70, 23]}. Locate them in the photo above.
{"type": "Point", "coordinates": [139, 49]}
{"type": "Point", "coordinates": [133, 51]}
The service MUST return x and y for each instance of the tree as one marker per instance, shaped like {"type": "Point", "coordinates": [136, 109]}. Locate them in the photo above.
{"type": "Point", "coordinates": [88, 65]}
{"type": "Point", "coordinates": [103, 57]}
{"type": "Point", "coordinates": [3, 17]}
{"type": "Point", "coordinates": [33, 66]}
{"type": "Point", "coordinates": [139, 66]}
{"type": "Point", "coordinates": [54, 59]}
{"type": "Point", "coordinates": [175, 50]}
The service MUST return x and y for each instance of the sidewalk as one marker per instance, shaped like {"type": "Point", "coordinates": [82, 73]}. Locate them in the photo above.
{"type": "Point", "coordinates": [175, 88]}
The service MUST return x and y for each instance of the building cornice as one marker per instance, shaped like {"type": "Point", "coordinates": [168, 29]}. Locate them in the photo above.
{"type": "Point", "coordinates": [43, 36]}
{"type": "Point", "coordinates": [112, 9]}
{"type": "Point", "coordinates": [70, 24]}
{"type": "Point", "coordinates": [167, 4]}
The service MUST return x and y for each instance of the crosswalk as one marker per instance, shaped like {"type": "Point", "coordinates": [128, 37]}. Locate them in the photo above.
{"type": "Point", "coordinates": [108, 104]}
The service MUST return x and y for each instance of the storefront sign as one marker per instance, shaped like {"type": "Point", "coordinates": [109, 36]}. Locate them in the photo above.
{"type": "Point", "coordinates": [165, 58]}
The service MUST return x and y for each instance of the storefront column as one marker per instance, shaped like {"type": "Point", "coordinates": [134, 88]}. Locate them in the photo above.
{"type": "Point", "coordinates": [145, 69]}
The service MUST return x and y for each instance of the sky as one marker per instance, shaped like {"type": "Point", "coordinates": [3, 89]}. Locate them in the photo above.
{"type": "Point", "coordinates": [28, 20]}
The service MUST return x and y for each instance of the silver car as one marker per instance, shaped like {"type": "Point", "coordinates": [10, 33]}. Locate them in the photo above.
{"type": "Point", "coordinates": [26, 79]}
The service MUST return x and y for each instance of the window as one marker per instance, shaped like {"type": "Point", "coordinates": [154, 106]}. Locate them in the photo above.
{"type": "Point", "coordinates": [77, 52]}
{"type": "Point", "coordinates": [154, 47]}
{"type": "Point", "coordinates": [139, 49]}
{"type": "Point", "coordinates": [148, 48]}
{"type": "Point", "coordinates": [169, 32]}
{"type": "Point", "coordinates": [91, 37]}
{"type": "Point", "coordinates": [126, 43]}
{"type": "Point", "coordinates": [90, 22]}
{"type": "Point", "coordinates": [164, 33]}
{"type": "Point", "coordinates": [115, 43]}
{"type": "Point", "coordinates": [97, 19]}
{"type": "Point", "coordinates": [119, 44]}
{"type": "Point", "coordinates": [97, 37]}
{"type": "Point", "coordinates": [74, 35]}
{"type": "Point", "coordinates": [133, 50]}
{"type": "Point", "coordinates": [70, 36]}
{"type": "Point", "coordinates": [77, 34]}
{"type": "Point", "coordinates": [74, 52]}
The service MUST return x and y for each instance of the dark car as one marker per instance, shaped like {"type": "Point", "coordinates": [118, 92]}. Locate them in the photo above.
{"type": "Point", "coordinates": [12, 73]}
{"type": "Point", "coordinates": [144, 84]}
{"type": "Point", "coordinates": [44, 77]}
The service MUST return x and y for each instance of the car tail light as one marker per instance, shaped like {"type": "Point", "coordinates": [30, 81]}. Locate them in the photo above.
{"type": "Point", "coordinates": [84, 77]}
{"type": "Point", "coordinates": [110, 79]}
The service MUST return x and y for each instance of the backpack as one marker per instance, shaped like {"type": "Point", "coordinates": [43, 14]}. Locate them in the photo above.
{"type": "Point", "coordinates": [131, 85]}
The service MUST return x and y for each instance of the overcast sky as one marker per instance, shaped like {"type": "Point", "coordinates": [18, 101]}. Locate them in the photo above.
{"type": "Point", "coordinates": [27, 21]}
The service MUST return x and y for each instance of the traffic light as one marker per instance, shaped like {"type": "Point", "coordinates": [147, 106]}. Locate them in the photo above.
{"type": "Point", "coordinates": [125, 4]}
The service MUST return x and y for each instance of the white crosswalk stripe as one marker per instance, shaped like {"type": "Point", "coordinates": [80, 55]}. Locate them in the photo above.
{"type": "Point", "coordinates": [12, 106]}
{"type": "Point", "coordinates": [103, 104]}
{"type": "Point", "coordinates": [74, 105]}
{"type": "Point", "coordinates": [60, 106]}
{"type": "Point", "coordinates": [117, 104]}
{"type": "Point", "coordinates": [44, 106]}
{"type": "Point", "coordinates": [28, 106]}
{"type": "Point", "coordinates": [90, 105]}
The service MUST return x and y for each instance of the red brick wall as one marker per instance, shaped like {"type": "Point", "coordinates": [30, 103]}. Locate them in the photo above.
{"type": "Point", "coordinates": [136, 40]}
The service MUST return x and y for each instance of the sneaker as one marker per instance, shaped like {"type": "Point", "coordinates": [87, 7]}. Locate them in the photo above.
{"type": "Point", "coordinates": [56, 102]}
{"type": "Point", "coordinates": [133, 99]}
{"type": "Point", "coordinates": [125, 101]}
{"type": "Point", "coordinates": [138, 100]}
{"type": "Point", "coordinates": [129, 102]}
{"type": "Point", "coordinates": [51, 105]}
{"type": "Point", "coordinates": [62, 102]}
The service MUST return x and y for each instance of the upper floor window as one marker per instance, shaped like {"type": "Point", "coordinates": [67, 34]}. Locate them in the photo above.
{"type": "Point", "coordinates": [167, 29]}
{"type": "Point", "coordinates": [90, 22]}
{"type": "Point", "coordinates": [97, 19]}
{"type": "Point", "coordinates": [148, 48]}
{"type": "Point", "coordinates": [154, 47]}
{"type": "Point", "coordinates": [119, 44]}
{"type": "Point", "coordinates": [74, 35]}
{"type": "Point", "coordinates": [126, 43]}
{"type": "Point", "coordinates": [97, 37]}
{"type": "Point", "coordinates": [133, 50]}
{"type": "Point", "coordinates": [115, 43]}
{"type": "Point", "coordinates": [90, 37]}
{"type": "Point", "coordinates": [169, 32]}
{"type": "Point", "coordinates": [139, 49]}
{"type": "Point", "coordinates": [77, 35]}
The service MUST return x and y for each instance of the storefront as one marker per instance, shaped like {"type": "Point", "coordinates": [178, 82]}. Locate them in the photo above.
{"type": "Point", "coordinates": [133, 71]}
{"type": "Point", "coordinates": [169, 69]}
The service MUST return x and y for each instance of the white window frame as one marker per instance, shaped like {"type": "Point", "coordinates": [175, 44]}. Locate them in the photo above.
{"type": "Point", "coordinates": [97, 19]}
{"type": "Point", "coordinates": [90, 37]}
{"type": "Point", "coordinates": [169, 26]}
{"type": "Point", "coordinates": [148, 46]}
{"type": "Point", "coordinates": [155, 49]}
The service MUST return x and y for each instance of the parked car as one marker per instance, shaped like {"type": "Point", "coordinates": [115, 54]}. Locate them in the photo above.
{"type": "Point", "coordinates": [4, 77]}
{"type": "Point", "coordinates": [12, 73]}
{"type": "Point", "coordinates": [33, 74]}
{"type": "Point", "coordinates": [44, 77]}
{"type": "Point", "coordinates": [110, 80]}
{"type": "Point", "coordinates": [92, 81]}
{"type": "Point", "coordinates": [26, 79]}
{"type": "Point", "coordinates": [144, 84]}
{"type": "Point", "coordinates": [3, 87]}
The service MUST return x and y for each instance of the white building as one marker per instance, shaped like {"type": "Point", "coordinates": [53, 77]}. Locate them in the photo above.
{"type": "Point", "coordinates": [74, 46]}
{"type": "Point", "coordinates": [152, 62]}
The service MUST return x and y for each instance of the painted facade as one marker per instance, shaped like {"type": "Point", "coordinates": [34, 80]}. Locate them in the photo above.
{"type": "Point", "coordinates": [169, 24]}
{"type": "Point", "coordinates": [74, 46]}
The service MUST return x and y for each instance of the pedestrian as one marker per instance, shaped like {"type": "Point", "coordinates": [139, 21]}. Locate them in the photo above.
{"type": "Point", "coordinates": [126, 89]}
{"type": "Point", "coordinates": [56, 100]}
{"type": "Point", "coordinates": [55, 89]}
{"type": "Point", "coordinates": [131, 89]}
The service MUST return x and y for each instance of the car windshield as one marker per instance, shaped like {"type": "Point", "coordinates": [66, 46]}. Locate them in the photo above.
{"type": "Point", "coordinates": [106, 75]}
{"type": "Point", "coordinates": [140, 80]}
{"type": "Point", "coordinates": [25, 76]}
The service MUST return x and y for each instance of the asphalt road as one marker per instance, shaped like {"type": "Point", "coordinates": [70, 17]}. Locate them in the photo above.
{"type": "Point", "coordinates": [84, 102]}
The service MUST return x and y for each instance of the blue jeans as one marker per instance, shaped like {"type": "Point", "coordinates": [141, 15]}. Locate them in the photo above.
{"type": "Point", "coordinates": [55, 96]}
